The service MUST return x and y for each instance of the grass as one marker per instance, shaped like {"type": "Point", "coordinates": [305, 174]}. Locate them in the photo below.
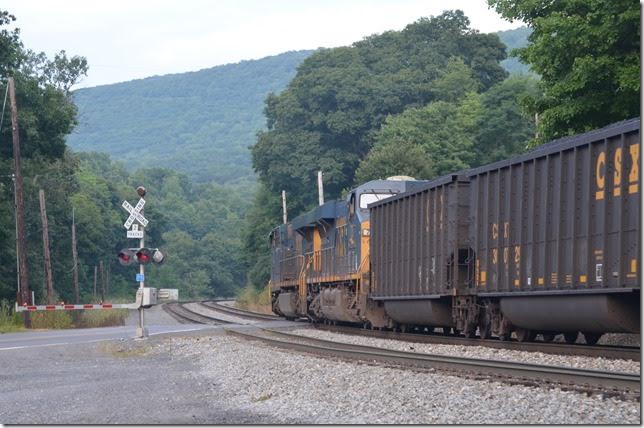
{"type": "Point", "coordinates": [255, 300]}
{"type": "Point", "coordinates": [9, 320]}
{"type": "Point", "coordinates": [12, 322]}
{"type": "Point", "coordinates": [102, 318]}
{"type": "Point", "coordinates": [262, 397]}
{"type": "Point", "coordinates": [121, 350]}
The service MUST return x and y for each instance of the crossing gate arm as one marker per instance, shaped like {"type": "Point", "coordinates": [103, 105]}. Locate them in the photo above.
{"type": "Point", "coordinates": [34, 308]}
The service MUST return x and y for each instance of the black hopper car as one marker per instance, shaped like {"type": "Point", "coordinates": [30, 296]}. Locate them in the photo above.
{"type": "Point", "coordinates": [546, 243]}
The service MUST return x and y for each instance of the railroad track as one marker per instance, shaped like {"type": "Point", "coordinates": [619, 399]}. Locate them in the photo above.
{"type": "Point", "coordinates": [597, 351]}
{"type": "Point", "coordinates": [604, 351]}
{"type": "Point", "coordinates": [185, 315]}
{"type": "Point", "coordinates": [242, 313]}
{"type": "Point", "coordinates": [584, 380]}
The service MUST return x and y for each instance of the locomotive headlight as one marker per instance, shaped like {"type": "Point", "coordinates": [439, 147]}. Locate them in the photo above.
{"type": "Point", "coordinates": [366, 232]}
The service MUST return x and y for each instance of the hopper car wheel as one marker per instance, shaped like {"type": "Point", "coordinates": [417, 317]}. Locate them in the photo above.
{"type": "Point", "coordinates": [505, 337]}
{"type": "Point", "coordinates": [485, 326]}
{"type": "Point", "coordinates": [447, 331]}
{"type": "Point", "coordinates": [571, 337]}
{"type": "Point", "coordinates": [470, 332]}
{"type": "Point", "coordinates": [548, 337]}
{"type": "Point", "coordinates": [525, 335]}
{"type": "Point", "coordinates": [592, 338]}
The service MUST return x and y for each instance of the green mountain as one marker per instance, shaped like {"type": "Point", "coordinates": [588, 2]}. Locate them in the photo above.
{"type": "Point", "coordinates": [199, 123]}
{"type": "Point", "coordinates": [513, 39]}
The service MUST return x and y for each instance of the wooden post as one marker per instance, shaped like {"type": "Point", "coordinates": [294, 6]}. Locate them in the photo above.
{"type": "Point", "coordinates": [100, 264]}
{"type": "Point", "coordinates": [320, 188]}
{"type": "Point", "coordinates": [49, 280]}
{"type": "Point", "coordinates": [107, 281]}
{"type": "Point", "coordinates": [20, 206]}
{"type": "Point", "coordinates": [95, 274]}
{"type": "Point", "coordinates": [75, 259]}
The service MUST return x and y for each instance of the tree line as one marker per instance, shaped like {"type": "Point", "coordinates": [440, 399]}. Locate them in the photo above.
{"type": "Point", "coordinates": [196, 225]}
{"type": "Point", "coordinates": [433, 99]}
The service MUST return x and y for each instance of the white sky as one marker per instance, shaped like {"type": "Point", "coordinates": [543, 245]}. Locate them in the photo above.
{"type": "Point", "coordinates": [130, 39]}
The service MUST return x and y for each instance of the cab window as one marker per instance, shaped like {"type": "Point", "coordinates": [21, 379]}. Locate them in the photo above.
{"type": "Point", "coordinates": [369, 198]}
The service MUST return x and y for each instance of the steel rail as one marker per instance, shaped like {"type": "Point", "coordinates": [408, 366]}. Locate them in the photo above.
{"type": "Point", "coordinates": [604, 351]}
{"type": "Point", "coordinates": [179, 312]}
{"type": "Point", "coordinates": [242, 313]}
{"type": "Point", "coordinates": [513, 372]}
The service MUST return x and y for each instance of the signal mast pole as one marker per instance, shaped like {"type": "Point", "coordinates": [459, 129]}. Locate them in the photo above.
{"type": "Point", "coordinates": [141, 332]}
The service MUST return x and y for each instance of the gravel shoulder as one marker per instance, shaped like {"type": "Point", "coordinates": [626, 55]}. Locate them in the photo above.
{"type": "Point", "coordinates": [210, 378]}
{"type": "Point", "coordinates": [303, 389]}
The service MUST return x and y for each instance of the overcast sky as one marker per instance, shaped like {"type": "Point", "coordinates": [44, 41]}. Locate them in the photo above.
{"type": "Point", "coordinates": [130, 39]}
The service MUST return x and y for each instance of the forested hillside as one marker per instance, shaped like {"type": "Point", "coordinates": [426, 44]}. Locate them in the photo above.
{"type": "Point", "coordinates": [433, 99]}
{"type": "Point", "coordinates": [513, 39]}
{"type": "Point", "coordinates": [197, 226]}
{"type": "Point", "coordinates": [428, 100]}
{"type": "Point", "coordinates": [199, 123]}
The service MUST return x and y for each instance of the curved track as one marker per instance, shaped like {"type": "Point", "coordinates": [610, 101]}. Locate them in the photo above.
{"type": "Point", "coordinates": [184, 315]}
{"type": "Point", "coordinates": [242, 313]}
{"type": "Point", "coordinates": [556, 348]}
{"type": "Point", "coordinates": [590, 381]}
{"type": "Point", "coordinates": [604, 351]}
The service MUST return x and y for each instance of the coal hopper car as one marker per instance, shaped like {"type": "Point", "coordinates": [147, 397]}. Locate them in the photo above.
{"type": "Point", "coordinates": [544, 243]}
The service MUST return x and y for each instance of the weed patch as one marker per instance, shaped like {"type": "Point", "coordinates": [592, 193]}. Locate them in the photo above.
{"type": "Point", "coordinates": [255, 300]}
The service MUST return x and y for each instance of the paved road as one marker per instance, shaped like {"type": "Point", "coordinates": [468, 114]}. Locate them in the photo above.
{"type": "Point", "coordinates": [33, 339]}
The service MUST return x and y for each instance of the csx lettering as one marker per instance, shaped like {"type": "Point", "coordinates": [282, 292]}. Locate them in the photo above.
{"type": "Point", "coordinates": [633, 176]}
{"type": "Point", "coordinates": [618, 174]}
{"type": "Point", "coordinates": [600, 176]}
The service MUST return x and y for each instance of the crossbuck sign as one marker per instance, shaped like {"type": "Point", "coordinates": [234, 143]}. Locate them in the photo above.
{"type": "Point", "coordinates": [135, 214]}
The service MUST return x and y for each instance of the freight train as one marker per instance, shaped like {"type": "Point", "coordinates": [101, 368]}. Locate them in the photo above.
{"type": "Point", "coordinates": [544, 243]}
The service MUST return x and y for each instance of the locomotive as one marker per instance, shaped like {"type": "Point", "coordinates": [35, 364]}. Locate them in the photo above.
{"type": "Point", "coordinates": [544, 243]}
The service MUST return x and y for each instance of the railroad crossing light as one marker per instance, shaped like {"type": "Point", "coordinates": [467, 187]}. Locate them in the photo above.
{"type": "Point", "coordinates": [157, 256]}
{"type": "Point", "coordinates": [126, 257]}
{"type": "Point", "coordinates": [143, 256]}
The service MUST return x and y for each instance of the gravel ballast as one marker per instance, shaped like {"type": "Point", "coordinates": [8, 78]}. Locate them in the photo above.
{"type": "Point", "coordinates": [482, 352]}
{"type": "Point", "coordinates": [299, 388]}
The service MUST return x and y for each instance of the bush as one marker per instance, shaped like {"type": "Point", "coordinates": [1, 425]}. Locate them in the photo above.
{"type": "Point", "coordinates": [9, 319]}
{"type": "Point", "coordinates": [102, 318]}
{"type": "Point", "coordinates": [51, 320]}
{"type": "Point", "coordinates": [252, 299]}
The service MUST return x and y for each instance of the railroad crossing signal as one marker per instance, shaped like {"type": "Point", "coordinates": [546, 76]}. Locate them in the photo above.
{"type": "Point", "coordinates": [141, 256]}
{"type": "Point", "coordinates": [135, 213]}
{"type": "Point", "coordinates": [135, 232]}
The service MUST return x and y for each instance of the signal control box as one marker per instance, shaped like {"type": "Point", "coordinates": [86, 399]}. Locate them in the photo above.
{"type": "Point", "coordinates": [146, 297]}
{"type": "Point", "coordinates": [168, 295]}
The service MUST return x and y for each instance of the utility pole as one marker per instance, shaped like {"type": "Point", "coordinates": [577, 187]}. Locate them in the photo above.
{"type": "Point", "coordinates": [20, 206]}
{"type": "Point", "coordinates": [100, 264]}
{"type": "Point", "coordinates": [75, 259]}
{"type": "Point", "coordinates": [107, 280]}
{"type": "Point", "coordinates": [95, 274]}
{"type": "Point", "coordinates": [320, 188]}
{"type": "Point", "coordinates": [49, 280]}
{"type": "Point", "coordinates": [284, 205]}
